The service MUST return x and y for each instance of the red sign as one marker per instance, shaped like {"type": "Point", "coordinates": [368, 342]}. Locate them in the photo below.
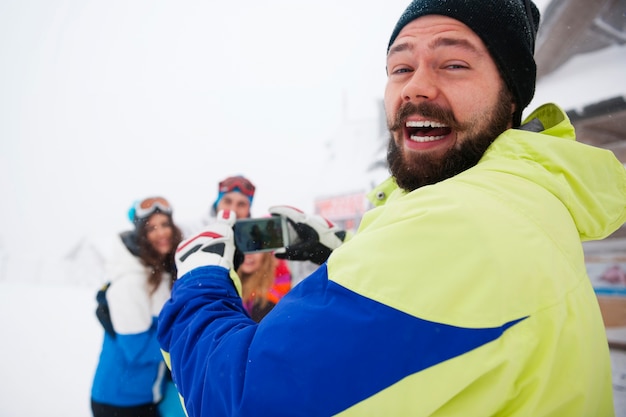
{"type": "Point", "coordinates": [342, 206]}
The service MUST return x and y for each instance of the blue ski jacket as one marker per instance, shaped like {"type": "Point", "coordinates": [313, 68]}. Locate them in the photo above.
{"type": "Point", "coordinates": [131, 368]}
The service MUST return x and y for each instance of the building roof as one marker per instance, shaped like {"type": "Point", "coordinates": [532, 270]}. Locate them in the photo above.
{"type": "Point", "coordinates": [581, 60]}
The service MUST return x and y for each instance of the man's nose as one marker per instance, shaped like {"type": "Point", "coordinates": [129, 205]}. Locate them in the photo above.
{"type": "Point", "coordinates": [421, 86]}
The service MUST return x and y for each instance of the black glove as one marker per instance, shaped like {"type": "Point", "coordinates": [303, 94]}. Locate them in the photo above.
{"type": "Point", "coordinates": [317, 237]}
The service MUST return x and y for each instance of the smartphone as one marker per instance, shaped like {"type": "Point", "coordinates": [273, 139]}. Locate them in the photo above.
{"type": "Point", "coordinates": [261, 234]}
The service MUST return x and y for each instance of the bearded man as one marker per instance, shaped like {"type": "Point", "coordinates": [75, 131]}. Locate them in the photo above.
{"type": "Point", "coordinates": [463, 293]}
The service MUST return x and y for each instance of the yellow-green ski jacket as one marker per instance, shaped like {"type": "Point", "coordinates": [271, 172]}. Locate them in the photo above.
{"type": "Point", "coordinates": [466, 298]}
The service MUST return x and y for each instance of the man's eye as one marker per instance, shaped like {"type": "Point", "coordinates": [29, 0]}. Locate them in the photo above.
{"type": "Point", "coordinates": [456, 66]}
{"type": "Point", "coordinates": [401, 71]}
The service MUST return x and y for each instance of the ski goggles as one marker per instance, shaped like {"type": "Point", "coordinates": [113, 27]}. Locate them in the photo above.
{"type": "Point", "coordinates": [146, 207]}
{"type": "Point", "coordinates": [238, 183]}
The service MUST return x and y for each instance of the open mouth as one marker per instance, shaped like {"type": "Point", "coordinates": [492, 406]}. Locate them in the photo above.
{"type": "Point", "coordinates": [426, 130]}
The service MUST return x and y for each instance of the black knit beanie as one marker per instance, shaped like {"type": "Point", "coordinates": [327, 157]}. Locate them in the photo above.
{"type": "Point", "coordinates": [504, 28]}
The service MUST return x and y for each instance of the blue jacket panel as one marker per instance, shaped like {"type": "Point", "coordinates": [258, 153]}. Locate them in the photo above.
{"type": "Point", "coordinates": [373, 347]}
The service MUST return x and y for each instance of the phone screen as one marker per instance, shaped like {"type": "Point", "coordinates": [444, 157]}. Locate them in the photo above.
{"type": "Point", "coordinates": [260, 235]}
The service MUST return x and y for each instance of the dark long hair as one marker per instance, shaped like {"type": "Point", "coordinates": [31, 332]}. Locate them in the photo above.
{"type": "Point", "coordinates": [157, 263]}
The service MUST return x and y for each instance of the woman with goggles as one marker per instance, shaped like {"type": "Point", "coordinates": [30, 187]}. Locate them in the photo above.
{"type": "Point", "coordinates": [130, 378]}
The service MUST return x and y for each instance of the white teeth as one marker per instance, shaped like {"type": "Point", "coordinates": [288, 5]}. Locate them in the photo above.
{"type": "Point", "coordinates": [423, 139]}
{"type": "Point", "coordinates": [424, 123]}
{"type": "Point", "coordinates": [427, 124]}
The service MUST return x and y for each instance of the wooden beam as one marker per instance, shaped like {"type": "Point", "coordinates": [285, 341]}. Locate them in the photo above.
{"type": "Point", "coordinates": [567, 22]}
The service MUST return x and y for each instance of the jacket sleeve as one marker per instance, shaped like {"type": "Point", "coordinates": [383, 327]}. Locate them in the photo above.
{"type": "Point", "coordinates": [132, 320]}
{"type": "Point", "coordinates": [321, 350]}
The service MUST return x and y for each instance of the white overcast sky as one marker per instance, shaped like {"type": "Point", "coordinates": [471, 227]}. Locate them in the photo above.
{"type": "Point", "coordinates": [103, 102]}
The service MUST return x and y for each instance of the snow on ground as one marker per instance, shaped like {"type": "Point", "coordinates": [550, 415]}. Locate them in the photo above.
{"type": "Point", "coordinates": [50, 345]}
{"type": "Point", "coordinates": [51, 342]}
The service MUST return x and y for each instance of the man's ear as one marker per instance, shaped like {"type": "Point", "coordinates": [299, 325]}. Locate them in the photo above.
{"type": "Point", "coordinates": [513, 116]}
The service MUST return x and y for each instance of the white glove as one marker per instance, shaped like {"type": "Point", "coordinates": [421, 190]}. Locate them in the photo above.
{"type": "Point", "coordinates": [213, 246]}
{"type": "Point", "coordinates": [317, 236]}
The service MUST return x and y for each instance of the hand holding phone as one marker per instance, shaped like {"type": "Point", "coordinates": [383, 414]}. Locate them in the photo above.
{"type": "Point", "coordinates": [314, 236]}
{"type": "Point", "coordinates": [261, 234]}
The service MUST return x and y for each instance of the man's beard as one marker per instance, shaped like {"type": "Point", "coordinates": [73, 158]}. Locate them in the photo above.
{"type": "Point", "coordinates": [417, 170]}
